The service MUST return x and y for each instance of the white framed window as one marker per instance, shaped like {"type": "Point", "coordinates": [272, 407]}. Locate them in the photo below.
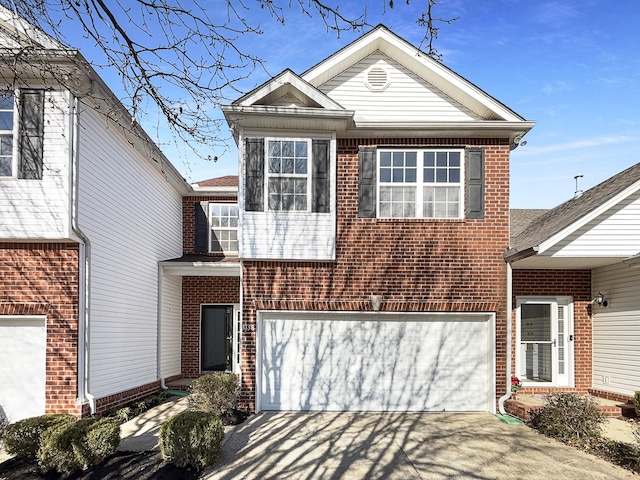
{"type": "Point", "coordinates": [223, 235]}
{"type": "Point", "coordinates": [420, 183]}
{"type": "Point", "coordinates": [8, 122]}
{"type": "Point", "coordinates": [288, 174]}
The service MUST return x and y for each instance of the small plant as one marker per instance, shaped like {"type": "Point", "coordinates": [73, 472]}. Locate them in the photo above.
{"type": "Point", "coordinates": [23, 437]}
{"type": "Point", "coordinates": [516, 384]}
{"type": "Point", "coordinates": [124, 414]}
{"type": "Point", "coordinates": [192, 439]}
{"type": "Point", "coordinates": [570, 418]}
{"type": "Point", "coordinates": [215, 393]}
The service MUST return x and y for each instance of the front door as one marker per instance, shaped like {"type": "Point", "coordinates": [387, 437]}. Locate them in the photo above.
{"type": "Point", "coordinates": [216, 345]}
{"type": "Point", "coordinates": [544, 355]}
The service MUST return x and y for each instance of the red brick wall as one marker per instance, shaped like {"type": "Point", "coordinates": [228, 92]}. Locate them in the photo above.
{"type": "Point", "coordinates": [195, 292]}
{"type": "Point", "coordinates": [429, 265]}
{"type": "Point", "coordinates": [554, 283]}
{"type": "Point", "coordinates": [188, 219]}
{"type": "Point", "coordinates": [38, 278]}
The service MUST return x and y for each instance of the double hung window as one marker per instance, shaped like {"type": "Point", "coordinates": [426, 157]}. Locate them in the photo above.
{"type": "Point", "coordinates": [420, 183]}
{"type": "Point", "coordinates": [7, 122]}
{"type": "Point", "coordinates": [288, 174]}
{"type": "Point", "coordinates": [223, 218]}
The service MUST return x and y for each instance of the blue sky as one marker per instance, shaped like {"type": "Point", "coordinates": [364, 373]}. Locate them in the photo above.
{"type": "Point", "coordinates": [571, 66]}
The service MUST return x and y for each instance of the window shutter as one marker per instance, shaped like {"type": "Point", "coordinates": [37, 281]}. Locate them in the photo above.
{"type": "Point", "coordinates": [320, 178]}
{"type": "Point", "coordinates": [254, 175]}
{"type": "Point", "coordinates": [201, 228]}
{"type": "Point", "coordinates": [31, 134]}
{"type": "Point", "coordinates": [475, 183]}
{"type": "Point", "coordinates": [367, 182]}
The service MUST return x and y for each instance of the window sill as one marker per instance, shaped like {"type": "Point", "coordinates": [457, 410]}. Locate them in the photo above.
{"type": "Point", "coordinates": [420, 220]}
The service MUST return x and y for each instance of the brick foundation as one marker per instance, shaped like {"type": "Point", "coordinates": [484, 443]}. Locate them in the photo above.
{"type": "Point", "coordinates": [118, 400]}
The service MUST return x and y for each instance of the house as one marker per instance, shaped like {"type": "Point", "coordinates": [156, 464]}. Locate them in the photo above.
{"type": "Point", "coordinates": [372, 217]}
{"type": "Point", "coordinates": [89, 206]}
{"type": "Point", "coordinates": [576, 324]}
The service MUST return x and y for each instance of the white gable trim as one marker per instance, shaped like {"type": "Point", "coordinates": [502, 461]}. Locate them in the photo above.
{"type": "Point", "coordinates": [558, 237]}
{"type": "Point", "coordinates": [406, 54]}
{"type": "Point", "coordinates": [26, 33]}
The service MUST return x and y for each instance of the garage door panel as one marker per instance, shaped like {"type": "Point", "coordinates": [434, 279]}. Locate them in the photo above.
{"type": "Point", "coordinates": [320, 363]}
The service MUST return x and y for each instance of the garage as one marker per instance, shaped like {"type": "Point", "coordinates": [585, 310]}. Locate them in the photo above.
{"type": "Point", "coordinates": [22, 366]}
{"type": "Point", "coordinates": [376, 362]}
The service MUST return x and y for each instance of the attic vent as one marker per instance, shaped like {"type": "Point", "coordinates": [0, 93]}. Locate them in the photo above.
{"type": "Point", "coordinates": [377, 78]}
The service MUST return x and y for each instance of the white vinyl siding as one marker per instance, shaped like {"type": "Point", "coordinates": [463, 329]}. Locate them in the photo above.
{"type": "Point", "coordinates": [616, 330]}
{"type": "Point", "coordinates": [376, 362]}
{"type": "Point", "coordinates": [133, 218]}
{"type": "Point", "coordinates": [407, 98]}
{"type": "Point", "coordinates": [171, 325]}
{"type": "Point", "coordinates": [40, 209]}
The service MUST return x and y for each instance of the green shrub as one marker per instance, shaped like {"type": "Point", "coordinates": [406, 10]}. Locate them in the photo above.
{"type": "Point", "coordinates": [75, 446]}
{"type": "Point", "coordinates": [636, 403]}
{"type": "Point", "coordinates": [192, 439]}
{"type": "Point", "coordinates": [215, 393]}
{"type": "Point", "coordinates": [23, 437]}
{"type": "Point", "coordinates": [570, 418]}
{"type": "Point", "coordinates": [124, 414]}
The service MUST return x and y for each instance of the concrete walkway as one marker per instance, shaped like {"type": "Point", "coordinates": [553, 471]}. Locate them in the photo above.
{"type": "Point", "coordinates": [403, 446]}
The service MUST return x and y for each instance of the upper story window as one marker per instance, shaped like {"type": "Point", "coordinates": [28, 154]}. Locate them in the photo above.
{"type": "Point", "coordinates": [223, 218]}
{"type": "Point", "coordinates": [420, 183]}
{"type": "Point", "coordinates": [21, 134]}
{"type": "Point", "coordinates": [288, 174]}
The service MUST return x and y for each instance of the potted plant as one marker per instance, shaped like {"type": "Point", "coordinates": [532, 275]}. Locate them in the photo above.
{"type": "Point", "coordinates": [516, 385]}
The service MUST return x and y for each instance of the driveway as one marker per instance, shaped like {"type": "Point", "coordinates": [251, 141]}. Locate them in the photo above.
{"type": "Point", "coordinates": [402, 446]}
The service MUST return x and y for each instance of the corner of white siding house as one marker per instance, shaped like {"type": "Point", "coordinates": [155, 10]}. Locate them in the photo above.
{"type": "Point", "coordinates": [41, 209]}
{"type": "Point", "coordinates": [132, 214]}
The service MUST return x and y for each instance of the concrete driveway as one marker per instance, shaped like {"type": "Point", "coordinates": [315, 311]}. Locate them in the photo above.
{"type": "Point", "coordinates": [402, 446]}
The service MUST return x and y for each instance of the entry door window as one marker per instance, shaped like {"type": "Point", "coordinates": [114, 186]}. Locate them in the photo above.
{"type": "Point", "coordinates": [217, 338]}
{"type": "Point", "coordinates": [544, 353]}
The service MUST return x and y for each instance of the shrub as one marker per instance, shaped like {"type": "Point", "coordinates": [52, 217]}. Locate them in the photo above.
{"type": "Point", "coordinates": [124, 414]}
{"type": "Point", "coordinates": [570, 418]}
{"type": "Point", "coordinates": [73, 446]}
{"type": "Point", "coordinates": [192, 439]}
{"type": "Point", "coordinates": [215, 393]}
{"type": "Point", "coordinates": [23, 437]}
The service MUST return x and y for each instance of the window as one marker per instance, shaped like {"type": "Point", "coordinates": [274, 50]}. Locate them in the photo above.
{"type": "Point", "coordinates": [224, 227]}
{"type": "Point", "coordinates": [287, 173]}
{"type": "Point", "coordinates": [420, 183]}
{"type": "Point", "coordinates": [7, 120]}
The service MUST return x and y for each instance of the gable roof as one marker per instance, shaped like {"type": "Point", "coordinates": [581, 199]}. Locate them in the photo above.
{"type": "Point", "coordinates": [520, 218]}
{"type": "Point", "coordinates": [226, 181]}
{"type": "Point", "coordinates": [226, 186]}
{"type": "Point", "coordinates": [556, 224]}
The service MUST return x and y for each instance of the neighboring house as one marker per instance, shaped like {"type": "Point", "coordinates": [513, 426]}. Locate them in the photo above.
{"type": "Point", "coordinates": [89, 206]}
{"type": "Point", "coordinates": [566, 336]}
{"type": "Point", "coordinates": [373, 215]}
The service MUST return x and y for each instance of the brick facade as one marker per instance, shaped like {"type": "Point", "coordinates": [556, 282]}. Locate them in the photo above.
{"type": "Point", "coordinates": [555, 283]}
{"type": "Point", "coordinates": [188, 219]}
{"type": "Point", "coordinates": [415, 264]}
{"type": "Point", "coordinates": [195, 292]}
{"type": "Point", "coordinates": [42, 279]}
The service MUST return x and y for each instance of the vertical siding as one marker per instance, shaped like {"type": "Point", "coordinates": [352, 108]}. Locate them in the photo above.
{"type": "Point", "coordinates": [132, 217]}
{"type": "Point", "coordinates": [171, 330]}
{"type": "Point", "coordinates": [408, 98]}
{"type": "Point", "coordinates": [40, 209]}
{"type": "Point", "coordinates": [616, 330]}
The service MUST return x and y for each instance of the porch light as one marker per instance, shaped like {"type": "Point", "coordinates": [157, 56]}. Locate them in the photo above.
{"type": "Point", "coordinates": [600, 300]}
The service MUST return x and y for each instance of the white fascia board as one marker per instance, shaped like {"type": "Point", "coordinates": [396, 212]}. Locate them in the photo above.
{"type": "Point", "coordinates": [550, 242]}
{"type": "Point", "coordinates": [308, 112]}
{"type": "Point", "coordinates": [225, 191]}
{"type": "Point", "coordinates": [294, 80]}
{"type": "Point", "coordinates": [23, 28]}
{"type": "Point", "coordinates": [202, 269]}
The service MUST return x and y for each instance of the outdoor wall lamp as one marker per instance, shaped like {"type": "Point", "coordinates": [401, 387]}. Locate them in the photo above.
{"type": "Point", "coordinates": [600, 300]}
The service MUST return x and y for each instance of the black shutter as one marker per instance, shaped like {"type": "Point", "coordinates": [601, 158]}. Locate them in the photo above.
{"type": "Point", "coordinates": [475, 183]}
{"type": "Point", "coordinates": [254, 175]}
{"type": "Point", "coordinates": [320, 199]}
{"type": "Point", "coordinates": [201, 228]}
{"type": "Point", "coordinates": [31, 134]}
{"type": "Point", "coordinates": [367, 182]}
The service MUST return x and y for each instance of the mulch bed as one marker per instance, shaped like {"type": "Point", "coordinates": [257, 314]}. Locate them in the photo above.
{"type": "Point", "coordinates": [121, 466]}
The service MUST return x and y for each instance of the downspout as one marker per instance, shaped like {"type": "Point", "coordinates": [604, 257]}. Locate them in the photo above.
{"type": "Point", "coordinates": [84, 297]}
{"type": "Point", "coordinates": [507, 394]}
{"type": "Point", "coordinates": [159, 331]}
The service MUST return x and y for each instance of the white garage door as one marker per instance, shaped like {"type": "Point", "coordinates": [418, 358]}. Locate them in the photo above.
{"type": "Point", "coordinates": [22, 366]}
{"type": "Point", "coordinates": [376, 362]}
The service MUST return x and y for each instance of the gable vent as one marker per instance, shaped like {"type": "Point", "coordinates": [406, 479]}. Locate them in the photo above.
{"type": "Point", "coordinates": [377, 78]}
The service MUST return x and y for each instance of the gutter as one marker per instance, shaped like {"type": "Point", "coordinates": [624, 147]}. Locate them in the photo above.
{"type": "Point", "coordinates": [507, 394]}
{"type": "Point", "coordinates": [84, 294]}
{"type": "Point", "coordinates": [518, 255]}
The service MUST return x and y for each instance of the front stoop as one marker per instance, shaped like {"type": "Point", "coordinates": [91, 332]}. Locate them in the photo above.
{"type": "Point", "coordinates": [524, 405]}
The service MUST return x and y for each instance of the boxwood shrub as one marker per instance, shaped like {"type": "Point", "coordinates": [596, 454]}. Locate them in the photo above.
{"type": "Point", "coordinates": [215, 393]}
{"type": "Point", "coordinates": [23, 437]}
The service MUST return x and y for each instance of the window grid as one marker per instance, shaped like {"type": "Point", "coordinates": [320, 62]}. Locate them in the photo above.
{"type": "Point", "coordinates": [288, 174]}
{"type": "Point", "coordinates": [224, 228]}
{"type": "Point", "coordinates": [401, 191]}
{"type": "Point", "coordinates": [7, 122]}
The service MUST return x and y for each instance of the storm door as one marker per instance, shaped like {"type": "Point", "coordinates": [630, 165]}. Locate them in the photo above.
{"type": "Point", "coordinates": [216, 347]}
{"type": "Point", "coordinates": [544, 354]}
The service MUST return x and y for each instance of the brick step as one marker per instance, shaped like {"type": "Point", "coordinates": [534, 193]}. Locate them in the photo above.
{"type": "Point", "coordinates": [523, 409]}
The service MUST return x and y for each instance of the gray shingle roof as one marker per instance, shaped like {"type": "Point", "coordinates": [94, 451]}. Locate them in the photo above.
{"type": "Point", "coordinates": [564, 215]}
{"type": "Point", "coordinates": [520, 218]}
